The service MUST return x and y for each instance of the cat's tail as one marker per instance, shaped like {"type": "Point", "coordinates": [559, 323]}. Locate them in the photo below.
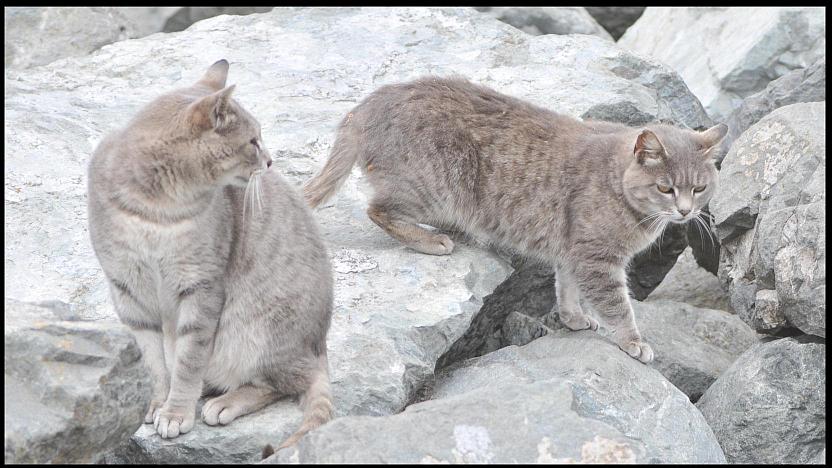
{"type": "Point", "coordinates": [336, 170]}
{"type": "Point", "coordinates": [316, 404]}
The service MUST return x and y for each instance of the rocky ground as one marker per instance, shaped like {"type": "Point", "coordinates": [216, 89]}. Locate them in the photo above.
{"type": "Point", "coordinates": [442, 359]}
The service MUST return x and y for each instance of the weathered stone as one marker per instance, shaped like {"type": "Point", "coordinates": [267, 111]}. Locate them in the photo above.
{"type": "Point", "coordinates": [548, 20]}
{"type": "Point", "coordinates": [801, 85]}
{"type": "Point", "coordinates": [72, 389]}
{"type": "Point", "coordinates": [396, 311]}
{"type": "Point", "coordinates": [567, 397]}
{"type": "Point", "coordinates": [769, 407]}
{"type": "Point", "coordinates": [39, 35]}
{"type": "Point", "coordinates": [770, 220]}
{"type": "Point", "coordinates": [187, 16]}
{"type": "Point", "coordinates": [727, 54]}
{"type": "Point", "coordinates": [689, 283]}
{"type": "Point", "coordinates": [693, 346]}
{"type": "Point", "coordinates": [615, 20]}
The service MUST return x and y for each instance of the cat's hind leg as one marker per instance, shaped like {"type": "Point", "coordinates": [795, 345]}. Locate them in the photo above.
{"type": "Point", "coordinates": [241, 401]}
{"type": "Point", "coordinates": [404, 228]}
{"type": "Point", "coordinates": [569, 302]}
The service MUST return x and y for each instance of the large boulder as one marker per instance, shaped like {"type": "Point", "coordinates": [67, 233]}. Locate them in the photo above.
{"type": "Point", "coordinates": [565, 398]}
{"type": "Point", "coordinates": [548, 20]}
{"type": "Point", "coordinates": [39, 35]}
{"type": "Point", "coordinates": [186, 16]}
{"type": "Point", "coordinates": [396, 311]}
{"type": "Point", "coordinates": [801, 85]}
{"type": "Point", "coordinates": [72, 389]}
{"type": "Point", "coordinates": [726, 54]}
{"type": "Point", "coordinates": [615, 20]}
{"type": "Point", "coordinates": [770, 219]}
{"type": "Point", "coordinates": [693, 346]}
{"type": "Point", "coordinates": [688, 282]}
{"type": "Point", "coordinates": [769, 407]}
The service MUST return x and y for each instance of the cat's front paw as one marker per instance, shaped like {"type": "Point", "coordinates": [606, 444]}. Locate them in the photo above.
{"type": "Point", "coordinates": [578, 322]}
{"type": "Point", "coordinates": [638, 349]}
{"type": "Point", "coordinates": [170, 422]}
{"type": "Point", "coordinates": [152, 410]}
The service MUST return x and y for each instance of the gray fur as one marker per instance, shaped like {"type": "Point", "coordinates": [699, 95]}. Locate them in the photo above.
{"type": "Point", "coordinates": [224, 295]}
{"type": "Point", "coordinates": [582, 196]}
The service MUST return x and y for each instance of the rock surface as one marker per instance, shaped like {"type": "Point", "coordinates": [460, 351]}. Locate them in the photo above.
{"type": "Point", "coordinates": [548, 20]}
{"type": "Point", "coordinates": [693, 346]}
{"type": "Point", "coordinates": [689, 283]}
{"type": "Point", "coordinates": [186, 16]}
{"type": "Point", "coordinates": [397, 311]}
{"type": "Point", "coordinates": [802, 85]}
{"type": "Point", "coordinates": [615, 20]}
{"type": "Point", "coordinates": [770, 220]}
{"type": "Point", "coordinates": [513, 405]}
{"type": "Point", "coordinates": [726, 54]}
{"type": "Point", "coordinates": [39, 35]}
{"type": "Point", "coordinates": [72, 389]}
{"type": "Point", "coordinates": [770, 406]}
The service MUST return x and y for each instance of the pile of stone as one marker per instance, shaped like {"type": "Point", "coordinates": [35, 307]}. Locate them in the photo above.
{"type": "Point", "coordinates": [456, 358]}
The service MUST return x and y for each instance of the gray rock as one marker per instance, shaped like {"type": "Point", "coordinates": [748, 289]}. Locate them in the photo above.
{"type": "Point", "coordinates": [765, 44]}
{"type": "Point", "coordinates": [690, 283]}
{"type": "Point", "coordinates": [567, 398]}
{"type": "Point", "coordinates": [615, 20]}
{"type": "Point", "coordinates": [693, 346]}
{"type": "Point", "coordinates": [72, 389]}
{"type": "Point", "coordinates": [548, 20]}
{"type": "Point", "coordinates": [396, 311]}
{"type": "Point", "coordinates": [39, 35]}
{"type": "Point", "coordinates": [769, 407]}
{"type": "Point", "coordinates": [515, 312]}
{"type": "Point", "coordinates": [186, 16]}
{"type": "Point", "coordinates": [770, 220]}
{"type": "Point", "coordinates": [801, 85]}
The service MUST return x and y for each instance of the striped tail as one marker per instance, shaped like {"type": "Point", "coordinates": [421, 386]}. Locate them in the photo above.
{"type": "Point", "coordinates": [317, 408]}
{"type": "Point", "coordinates": [336, 170]}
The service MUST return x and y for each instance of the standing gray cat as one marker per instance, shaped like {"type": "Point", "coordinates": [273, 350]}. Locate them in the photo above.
{"type": "Point", "coordinates": [213, 261]}
{"type": "Point", "coordinates": [582, 196]}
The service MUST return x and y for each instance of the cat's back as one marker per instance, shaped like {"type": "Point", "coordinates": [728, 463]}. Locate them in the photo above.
{"type": "Point", "coordinates": [438, 99]}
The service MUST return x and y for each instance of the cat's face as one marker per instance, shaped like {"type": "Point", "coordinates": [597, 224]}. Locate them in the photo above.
{"type": "Point", "coordinates": [210, 134]}
{"type": "Point", "coordinates": [672, 176]}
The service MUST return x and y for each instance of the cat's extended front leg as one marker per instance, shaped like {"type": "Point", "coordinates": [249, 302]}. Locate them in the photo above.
{"type": "Point", "coordinates": [147, 330]}
{"type": "Point", "coordinates": [196, 325]}
{"type": "Point", "coordinates": [604, 285]}
{"type": "Point", "coordinates": [569, 302]}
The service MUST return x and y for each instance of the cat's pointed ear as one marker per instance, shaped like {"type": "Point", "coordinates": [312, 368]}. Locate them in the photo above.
{"type": "Point", "coordinates": [213, 111]}
{"type": "Point", "coordinates": [648, 149]}
{"type": "Point", "coordinates": [712, 137]}
{"type": "Point", "coordinates": [216, 75]}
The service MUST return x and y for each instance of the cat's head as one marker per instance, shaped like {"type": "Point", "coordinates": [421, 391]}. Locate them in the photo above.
{"type": "Point", "coordinates": [672, 175]}
{"type": "Point", "coordinates": [208, 135]}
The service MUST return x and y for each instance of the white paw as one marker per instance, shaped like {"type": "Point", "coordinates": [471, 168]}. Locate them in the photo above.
{"type": "Point", "coordinates": [152, 410]}
{"type": "Point", "coordinates": [170, 423]}
{"type": "Point", "coordinates": [579, 322]}
{"type": "Point", "coordinates": [219, 410]}
{"type": "Point", "coordinates": [638, 350]}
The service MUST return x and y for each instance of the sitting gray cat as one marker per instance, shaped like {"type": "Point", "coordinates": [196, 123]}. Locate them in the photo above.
{"type": "Point", "coordinates": [222, 277]}
{"type": "Point", "coordinates": [583, 196]}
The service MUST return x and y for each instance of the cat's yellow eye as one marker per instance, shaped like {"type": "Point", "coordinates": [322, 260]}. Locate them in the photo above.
{"type": "Point", "coordinates": [699, 188]}
{"type": "Point", "coordinates": [664, 188]}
